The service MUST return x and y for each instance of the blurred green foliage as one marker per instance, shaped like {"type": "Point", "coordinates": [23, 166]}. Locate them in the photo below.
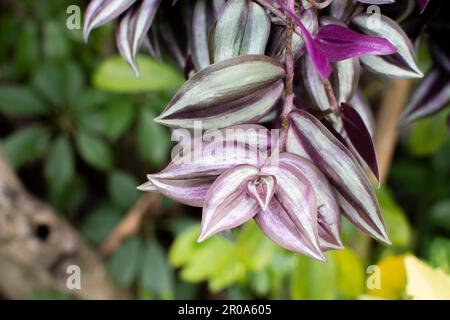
{"type": "Point", "coordinates": [77, 125]}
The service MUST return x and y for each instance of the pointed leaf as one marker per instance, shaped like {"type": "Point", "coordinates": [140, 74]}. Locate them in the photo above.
{"type": "Point", "coordinates": [227, 204]}
{"type": "Point", "coordinates": [123, 41]}
{"type": "Point", "coordinates": [360, 137]}
{"type": "Point", "coordinates": [190, 174]}
{"type": "Point", "coordinates": [262, 190]}
{"type": "Point", "coordinates": [143, 19]}
{"type": "Point", "coordinates": [219, 99]}
{"type": "Point", "coordinates": [423, 5]}
{"type": "Point", "coordinates": [400, 65]}
{"type": "Point", "coordinates": [278, 226]}
{"type": "Point", "coordinates": [328, 209]}
{"type": "Point", "coordinates": [341, 43]}
{"type": "Point", "coordinates": [431, 96]}
{"type": "Point", "coordinates": [297, 197]}
{"type": "Point", "coordinates": [361, 105]}
{"type": "Point", "coordinates": [99, 13]}
{"type": "Point", "coordinates": [318, 57]}
{"type": "Point", "coordinates": [307, 137]}
{"type": "Point", "coordinates": [201, 24]}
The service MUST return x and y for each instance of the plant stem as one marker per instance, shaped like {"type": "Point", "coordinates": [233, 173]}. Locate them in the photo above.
{"type": "Point", "coordinates": [289, 81]}
{"type": "Point", "coordinates": [331, 97]}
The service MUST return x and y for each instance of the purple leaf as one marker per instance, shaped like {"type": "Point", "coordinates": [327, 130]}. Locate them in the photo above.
{"type": "Point", "coordinates": [335, 43]}
{"type": "Point", "coordinates": [190, 174]}
{"type": "Point", "coordinates": [297, 197]}
{"type": "Point", "coordinates": [403, 63]}
{"type": "Point", "coordinates": [423, 5]}
{"type": "Point", "coordinates": [336, 134]}
{"type": "Point", "coordinates": [243, 28]}
{"type": "Point", "coordinates": [227, 204]}
{"type": "Point", "coordinates": [100, 12]}
{"type": "Point", "coordinates": [262, 190]}
{"type": "Point", "coordinates": [318, 57]}
{"type": "Point", "coordinates": [143, 19]}
{"type": "Point", "coordinates": [361, 105]}
{"type": "Point", "coordinates": [123, 40]}
{"type": "Point", "coordinates": [278, 226]}
{"type": "Point", "coordinates": [308, 138]}
{"type": "Point", "coordinates": [360, 137]}
{"type": "Point", "coordinates": [431, 96]}
{"type": "Point", "coordinates": [191, 192]}
{"type": "Point", "coordinates": [341, 43]}
{"type": "Point", "coordinates": [201, 24]}
{"type": "Point", "coordinates": [219, 98]}
{"type": "Point", "coordinates": [328, 209]}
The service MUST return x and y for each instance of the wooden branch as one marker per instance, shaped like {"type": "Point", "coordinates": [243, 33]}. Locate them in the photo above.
{"type": "Point", "coordinates": [386, 132]}
{"type": "Point", "coordinates": [132, 222]}
{"type": "Point", "coordinates": [37, 246]}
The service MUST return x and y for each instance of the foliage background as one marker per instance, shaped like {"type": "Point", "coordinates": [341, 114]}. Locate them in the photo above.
{"type": "Point", "coordinates": [77, 126]}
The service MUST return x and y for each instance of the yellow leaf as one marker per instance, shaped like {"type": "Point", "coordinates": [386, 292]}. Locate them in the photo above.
{"type": "Point", "coordinates": [424, 282]}
{"type": "Point", "coordinates": [350, 280]}
{"type": "Point", "coordinates": [392, 279]}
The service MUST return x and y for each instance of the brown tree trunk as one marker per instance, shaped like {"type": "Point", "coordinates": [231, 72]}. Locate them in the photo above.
{"type": "Point", "coordinates": [37, 246]}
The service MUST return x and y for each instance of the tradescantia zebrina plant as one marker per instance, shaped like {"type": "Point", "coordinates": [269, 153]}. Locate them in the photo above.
{"type": "Point", "coordinates": [275, 86]}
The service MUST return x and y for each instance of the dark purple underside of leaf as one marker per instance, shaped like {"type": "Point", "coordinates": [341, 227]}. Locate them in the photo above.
{"type": "Point", "coordinates": [360, 137]}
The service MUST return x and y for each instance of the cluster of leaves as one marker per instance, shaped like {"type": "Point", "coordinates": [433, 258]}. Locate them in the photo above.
{"type": "Point", "coordinates": [298, 204]}
{"type": "Point", "coordinates": [74, 140]}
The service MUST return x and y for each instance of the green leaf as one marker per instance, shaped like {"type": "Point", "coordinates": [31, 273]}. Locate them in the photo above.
{"type": "Point", "coordinates": [49, 81]}
{"type": "Point", "coordinates": [255, 250]}
{"type": "Point", "coordinates": [184, 246]}
{"type": "Point", "coordinates": [230, 270]}
{"type": "Point", "coordinates": [118, 118]}
{"type": "Point", "coordinates": [92, 99]}
{"type": "Point", "coordinates": [259, 282]}
{"type": "Point", "coordinates": [100, 223]}
{"type": "Point", "coordinates": [20, 101]}
{"type": "Point", "coordinates": [209, 258]}
{"type": "Point", "coordinates": [429, 135]}
{"type": "Point", "coordinates": [56, 46]}
{"type": "Point", "coordinates": [122, 189]}
{"type": "Point", "coordinates": [314, 280]}
{"type": "Point", "coordinates": [26, 145]}
{"type": "Point", "coordinates": [350, 278]}
{"type": "Point", "coordinates": [156, 276]}
{"type": "Point", "coordinates": [440, 214]}
{"type": "Point", "coordinates": [74, 195]}
{"type": "Point", "coordinates": [153, 139]}
{"type": "Point", "coordinates": [94, 151]}
{"type": "Point", "coordinates": [439, 254]}
{"type": "Point", "coordinates": [398, 227]}
{"type": "Point", "coordinates": [92, 121]}
{"type": "Point", "coordinates": [59, 168]}
{"type": "Point", "coordinates": [27, 48]}
{"type": "Point", "coordinates": [116, 75]}
{"type": "Point", "coordinates": [124, 264]}
{"type": "Point", "coordinates": [74, 83]}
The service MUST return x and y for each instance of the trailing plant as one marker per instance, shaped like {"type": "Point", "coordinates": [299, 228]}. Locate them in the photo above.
{"type": "Point", "coordinates": [255, 66]}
